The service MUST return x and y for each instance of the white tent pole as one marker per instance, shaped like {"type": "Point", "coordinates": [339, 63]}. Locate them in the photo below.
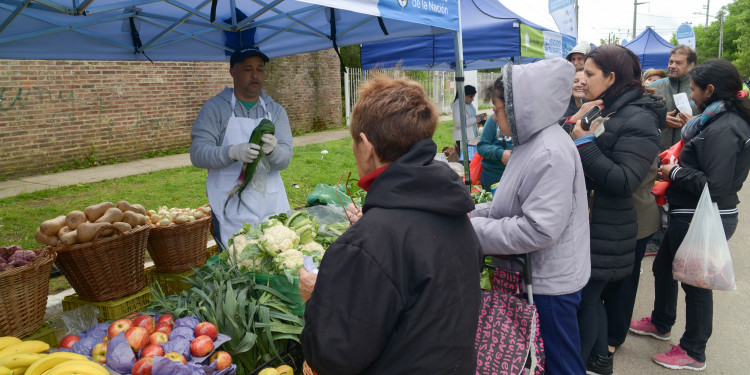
{"type": "Point", "coordinates": [457, 41]}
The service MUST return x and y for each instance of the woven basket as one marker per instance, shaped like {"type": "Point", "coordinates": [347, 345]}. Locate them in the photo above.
{"type": "Point", "coordinates": [177, 248]}
{"type": "Point", "coordinates": [105, 268]}
{"type": "Point", "coordinates": [23, 300]}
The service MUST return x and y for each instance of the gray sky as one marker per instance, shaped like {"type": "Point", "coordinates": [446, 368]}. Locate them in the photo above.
{"type": "Point", "coordinates": [597, 18]}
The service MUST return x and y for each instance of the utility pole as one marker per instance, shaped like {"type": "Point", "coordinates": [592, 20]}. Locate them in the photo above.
{"type": "Point", "coordinates": [578, 20]}
{"type": "Point", "coordinates": [721, 33]}
{"type": "Point", "coordinates": [708, 2]}
{"type": "Point", "coordinates": [635, 13]}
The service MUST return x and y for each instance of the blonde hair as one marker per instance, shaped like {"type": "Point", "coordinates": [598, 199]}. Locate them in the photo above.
{"type": "Point", "coordinates": [651, 71]}
{"type": "Point", "coordinates": [393, 114]}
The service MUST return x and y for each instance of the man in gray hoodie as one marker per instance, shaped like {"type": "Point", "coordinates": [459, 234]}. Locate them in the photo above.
{"type": "Point", "coordinates": [540, 206]}
{"type": "Point", "coordinates": [220, 143]}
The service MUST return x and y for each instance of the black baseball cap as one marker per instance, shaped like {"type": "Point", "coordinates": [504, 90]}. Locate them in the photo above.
{"type": "Point", "coordinates": [241, 54]}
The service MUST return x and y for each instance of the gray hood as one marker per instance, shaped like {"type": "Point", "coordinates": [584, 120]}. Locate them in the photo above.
{"type": "Point", "coordinates": [536, 95]}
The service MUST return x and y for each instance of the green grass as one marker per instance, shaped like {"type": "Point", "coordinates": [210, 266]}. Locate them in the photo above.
{"type": "Point", "coordinates": [179, 187]}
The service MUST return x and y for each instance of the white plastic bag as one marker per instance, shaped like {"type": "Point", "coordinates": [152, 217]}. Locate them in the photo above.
{"type": "Point", "coordinates": [703, 258]}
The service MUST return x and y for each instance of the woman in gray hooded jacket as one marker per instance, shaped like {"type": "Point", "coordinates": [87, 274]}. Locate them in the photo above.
{"type": "Point", "coordinates": [540, 205]}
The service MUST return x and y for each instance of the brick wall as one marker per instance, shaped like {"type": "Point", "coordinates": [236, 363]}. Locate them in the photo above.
{"type": "Point", "coordinates": [53, 112]}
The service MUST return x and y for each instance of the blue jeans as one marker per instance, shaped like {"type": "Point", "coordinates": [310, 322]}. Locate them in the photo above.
{"type": "Point", "coordinates": [487, 180]}
{"type": "Point", "coordinates": [559, 327]}
{"type": "Point", "coordinates": [699, 305]}
{"type": "Point", "coordinates": [217, 234]}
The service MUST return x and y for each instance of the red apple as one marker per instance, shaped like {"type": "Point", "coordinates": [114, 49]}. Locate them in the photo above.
{"type": "Point", "coordinates": [158, 338]}
{"type": "Point", "coordinates": [106, 338]}
{"type": "Point", "coordinates": [99, 353]}
{"type": "Point", "coordinates": [164, 327]}
{"type": "Point", "coordinates": [137, 338]}
{"type": "Point", "coordinates": [177, 357]}
{"type": "Point", "coordinates": [152, 350]}
{"type": "Point", "coordinates": [222, 358]}
{"type": "Point", "coordinates": [68, 341]}
{"type": "Point", "coordinates": [143, 366]}
{"type": "Point", "coordinates": [201, 346]}
{"type": "Point", "coordinates": [118, 326]}
{"type": "Point", "coordinates": [208, 329]}
{"type": "Point", "coordinates": [145, 321]}
{"type": "Point", "coordinates": [166, 318]}
{"type": "Point", "coordinates": [132, 316]}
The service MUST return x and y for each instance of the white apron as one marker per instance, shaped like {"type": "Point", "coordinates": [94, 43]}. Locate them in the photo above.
{"type": "Point", "coordinates": [256, 206]}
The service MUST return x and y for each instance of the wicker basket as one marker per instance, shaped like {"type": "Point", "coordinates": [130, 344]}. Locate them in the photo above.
{"type": "Point", "coordinates": [177, 248]}
{"type": "Point", "coordinates": [108, 268]}
{"type": "Point", "coordinates": [23, 300]}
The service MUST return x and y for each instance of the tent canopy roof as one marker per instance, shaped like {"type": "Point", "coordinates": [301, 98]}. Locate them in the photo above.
{"type": "Point", "coordinates": [182, 30]}
{"type": "Point", "coordinates": [490, 32]}
{"type": "Point", "coordinates": [652, 50]}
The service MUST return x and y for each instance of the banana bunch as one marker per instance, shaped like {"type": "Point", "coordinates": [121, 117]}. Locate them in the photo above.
{"type": "Point", "coordinates": [14, 346]}
{"type": "Point", "coordinates": [57, 363]}
{"type": "Point", "coordinates": [16, 356]}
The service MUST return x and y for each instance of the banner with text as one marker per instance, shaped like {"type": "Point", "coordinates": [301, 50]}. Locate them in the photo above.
{"type": "Point", "coordinates": [438, 13]}
{"type": "Point", "coordinates": [686, 36]}
{"type": "Point", "coordinates": [564, 14]}
{"type": "Point", "coordinates": [540, 44]}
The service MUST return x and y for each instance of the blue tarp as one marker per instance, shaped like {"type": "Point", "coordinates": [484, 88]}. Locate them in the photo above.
{"type": "Point", "coordinates": [180, 30]}
{"type": "Point", "coordinates": [651, 49]}
{"type": "Point", "coordinates": [491, 36]}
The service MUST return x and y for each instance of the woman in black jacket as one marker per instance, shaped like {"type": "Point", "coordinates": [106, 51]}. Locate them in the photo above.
{"type": "Point", "coordinates": [398, 293]}
{"type": "Point", "coordinates": [616, 155]}
{"type": "Point", "coordinates": [717, 152]}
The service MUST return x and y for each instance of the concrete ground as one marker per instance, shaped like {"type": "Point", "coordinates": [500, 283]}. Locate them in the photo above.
{"type": "Point", "coordinates": [726, 349]}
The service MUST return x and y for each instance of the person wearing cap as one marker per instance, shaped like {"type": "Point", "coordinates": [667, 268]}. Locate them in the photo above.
{"type": "Point", "coordinates": [577, 56]}
{"type": "Point", "coordinates": [220, 143]}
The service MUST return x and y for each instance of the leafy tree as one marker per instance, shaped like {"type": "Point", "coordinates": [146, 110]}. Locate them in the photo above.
{"type": "Point", "coordinates": [673, 39]}
{"type": "Point", "coordinates": [350, 55]}
{"type": "Point", "coordinates": [736, 36]}
{"type": "Point", "coordinates": [614, 39]}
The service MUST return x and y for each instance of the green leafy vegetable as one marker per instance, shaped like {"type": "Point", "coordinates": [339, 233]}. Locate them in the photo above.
{"type": "Point", "coordinates": [248, 169]}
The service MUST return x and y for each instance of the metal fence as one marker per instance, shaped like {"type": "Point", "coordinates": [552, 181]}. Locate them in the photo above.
{"type": "Point", "coordinates": [439, 86]}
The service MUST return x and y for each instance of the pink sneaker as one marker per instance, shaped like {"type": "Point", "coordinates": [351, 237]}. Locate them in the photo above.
{"type": "Point", "coordinates": [678, 359]}
{"type": "Point", "coordinates": [646, 328]}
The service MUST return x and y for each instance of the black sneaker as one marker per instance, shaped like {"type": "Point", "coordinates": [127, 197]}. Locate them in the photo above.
{"type": "Point", "coordinates": [651, 249]}
{"type": "Point", "coordinates": [598, 364]}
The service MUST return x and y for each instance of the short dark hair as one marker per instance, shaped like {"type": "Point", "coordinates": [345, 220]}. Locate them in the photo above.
{"type": "Point", "coordinates": [469, 90]}
{"type": "Point", "coordinates": [692, 57]}
{"type": "Point", "coordinates": [393, 114]}
{"type": "Point", "coordinates": [495, 90]}
{"type": "Point", "coordinates": [726, 80]}
{"type": "Point", "coordinates": [626, 66]}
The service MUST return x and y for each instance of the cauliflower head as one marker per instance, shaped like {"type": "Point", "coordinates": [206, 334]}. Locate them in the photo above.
{"type": "Point", "coordinates": [312, 246]}
{"type": "Point", "coordinates": [290, 259]}
{"type": "Point", "coordinates": [278, 238]}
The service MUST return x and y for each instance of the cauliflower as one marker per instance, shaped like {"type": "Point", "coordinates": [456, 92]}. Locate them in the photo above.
{"type": "Point", "coordinates": [290, 260]}
{"type": "Point", "coordinates": [239, 242]}
{"type": "Point", "coordinates": [244, 253]}
{"type": "Point", "coordinates": [312, 246]}
{"type": "Point", "coordinates": [278, 238]}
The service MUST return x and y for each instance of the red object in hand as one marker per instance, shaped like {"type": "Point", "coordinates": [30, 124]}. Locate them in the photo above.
{"type": "Point", "coordinates": [670, 156]}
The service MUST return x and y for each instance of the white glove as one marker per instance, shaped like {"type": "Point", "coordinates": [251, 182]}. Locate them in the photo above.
{"type": "Point", "coordinates": [269, 143]}
{"type": "Point", "coordinates": [244, 152]}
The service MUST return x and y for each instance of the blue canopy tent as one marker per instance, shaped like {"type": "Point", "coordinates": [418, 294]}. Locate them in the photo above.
{"type": "Point", "coordinates": [652, 50]}
{"type": "Point", "coordinates": [210, 30]}
{"type": "Point", "coordinates": [180, 30]}
{"type": "Point", "coordinates": [492, 34]}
